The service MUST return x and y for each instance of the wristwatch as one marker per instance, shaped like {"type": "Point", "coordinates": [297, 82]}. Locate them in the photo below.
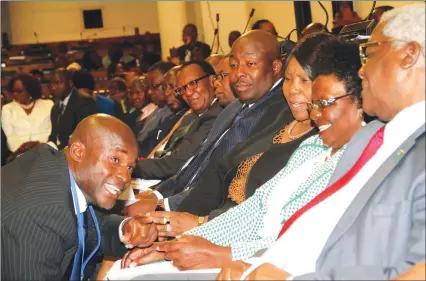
{"type": "Point", "coordinates": [202, 220]}
{"type": "Point", "coordinates": [160, 205]}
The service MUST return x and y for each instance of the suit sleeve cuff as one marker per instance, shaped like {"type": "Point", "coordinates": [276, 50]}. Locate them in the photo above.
{"type": "Point", "coordinates": [120, 230]}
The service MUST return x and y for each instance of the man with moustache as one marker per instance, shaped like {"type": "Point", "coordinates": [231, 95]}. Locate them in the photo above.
{"type": "Point", "coordinates": [256, 77]}
{"type": "Point", "coordinates": [195, 125]}
{"type": "Point", "coordinates": [46, 193]}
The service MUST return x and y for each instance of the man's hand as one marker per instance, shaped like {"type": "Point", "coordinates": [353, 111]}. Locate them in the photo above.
{"type": "Point", "coordinates": [147, 203]}
{"type": "Point", "coordinates": [171, 224]}
{"type": "Point", "coordinates": [139, 231]}
{"type": "Point", "coordinates": [268, 271]}
{"type": "Point", "coordinates": [140, 256]}
{"type": "Point", "coordinates": [417, 272]}
{"type": "Point", "coordinates": [233, 270]}
{"type": "Point", "coordinates": [194, 252]}
{"type": "Point", "coordinates": [28, 145]}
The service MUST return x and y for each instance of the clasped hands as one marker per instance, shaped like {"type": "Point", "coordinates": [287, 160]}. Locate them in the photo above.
{"type": "Point", "coordinates": [185, 252]}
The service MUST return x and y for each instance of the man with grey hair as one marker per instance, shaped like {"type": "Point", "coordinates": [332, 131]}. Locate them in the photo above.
{"type": "Point", "coordinates": [381, 234]}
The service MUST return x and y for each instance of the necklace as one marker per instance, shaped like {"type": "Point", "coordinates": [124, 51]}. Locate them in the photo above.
{"type": "Point", "coordinates": [290, 128]}
{"type": "Point", "coordinates": [27, 106]}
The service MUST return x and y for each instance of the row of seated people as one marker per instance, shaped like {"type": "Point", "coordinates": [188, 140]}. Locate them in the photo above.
{"type": "Point", "coordinates": [237, 186]}
{"type": "Point", "coordinates": [290, 165]}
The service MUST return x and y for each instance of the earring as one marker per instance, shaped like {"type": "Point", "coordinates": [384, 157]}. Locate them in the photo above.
{"type": "Point", "coordinates": [363, 123]}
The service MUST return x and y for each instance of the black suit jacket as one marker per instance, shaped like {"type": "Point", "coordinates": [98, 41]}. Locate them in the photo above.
{"type": "Point", "coordinates": [212, 191]}
{"type": "Point", "coordinates": [79, 107]}
{"type": "Point", "coordinates": [39, 225]}
{"type": "Point", "coordinates": [182, 49]}
{"type": "Point", "coordinates": [177, 188]}
{"type": "Point", "coordinates": [168, 165]}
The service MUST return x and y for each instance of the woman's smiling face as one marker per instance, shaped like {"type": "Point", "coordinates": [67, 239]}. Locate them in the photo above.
{"type": "Point", "coordinates": [339, 121]}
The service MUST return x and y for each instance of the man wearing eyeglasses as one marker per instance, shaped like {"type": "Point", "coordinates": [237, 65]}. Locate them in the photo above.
{"type": "Point", "coordinates": [150, 125]}
{"type": "Point", "coordinates": [196, 124]}
{"type": "Point", "coordinates": [255, 76]}
{"type": "Point", "coordinates": [381, 234]}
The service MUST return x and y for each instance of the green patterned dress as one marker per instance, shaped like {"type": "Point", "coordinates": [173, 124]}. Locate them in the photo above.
{"type": "Point", "coordinates": [244, 227]}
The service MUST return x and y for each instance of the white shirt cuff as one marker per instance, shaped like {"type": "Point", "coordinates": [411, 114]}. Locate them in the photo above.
{"type": "Point", "coordinates": [158, 194]}
{"type": "Point", "coordinates": [166, 205]}
{"type": "Point", "coordinates": [52, 145]}
{"type": "Point", "coordinates": [120, 229]}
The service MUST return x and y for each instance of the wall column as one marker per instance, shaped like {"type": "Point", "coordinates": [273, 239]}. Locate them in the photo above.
{"type": "Point", "coordinates": [171, 20]}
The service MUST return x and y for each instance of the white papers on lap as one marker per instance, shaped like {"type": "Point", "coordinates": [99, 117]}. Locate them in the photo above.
{"type": "Point", "coordinates": [116, 273]}
{"type": "Point", "coordinates": [143, 184]}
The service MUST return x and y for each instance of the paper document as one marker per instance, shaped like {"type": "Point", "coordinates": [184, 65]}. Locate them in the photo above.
{"type": "Point", "coordinates": [157, 268]}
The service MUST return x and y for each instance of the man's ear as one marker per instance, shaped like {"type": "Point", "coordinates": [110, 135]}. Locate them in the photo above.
{"type": "Point", "coordinates": [410, 55]}
{"type": "Point", "coordinates": [277, 65]}
{"type": "Point", "coordinates": [77, 151]}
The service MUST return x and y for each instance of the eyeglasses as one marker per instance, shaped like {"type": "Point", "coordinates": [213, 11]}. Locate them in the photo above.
{"type": "Point", "coordinates": [363, 48]}
{"type": "Point", "coordinates": [191, 85]}
{"type": "Point", "coordinates": [219, 77]}
{"type": "Point", "coordinates": [321, 104]}
{"type": "Point", "coordinates": [165, 87]}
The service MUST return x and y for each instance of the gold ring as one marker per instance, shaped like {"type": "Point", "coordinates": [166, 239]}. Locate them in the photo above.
{"type": "Point", "coordinates": [166, 220]}
{"type": "Point", "coordinates": [168, 228]}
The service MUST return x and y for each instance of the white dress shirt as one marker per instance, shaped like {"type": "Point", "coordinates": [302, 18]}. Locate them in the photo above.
{"type": "Point", "coordinates": [20, 127]}
{"type": "Point", "coordinates": [298, 249]}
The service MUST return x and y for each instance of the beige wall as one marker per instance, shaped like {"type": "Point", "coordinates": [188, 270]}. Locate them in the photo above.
{"type": "Point", "coordinates": [364, 7]}
{"type": "Point", "coordinates": [60, 21]}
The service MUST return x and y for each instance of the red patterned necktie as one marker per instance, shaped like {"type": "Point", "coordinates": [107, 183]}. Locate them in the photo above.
{"type": "Point", "coordinates": [375, 143]}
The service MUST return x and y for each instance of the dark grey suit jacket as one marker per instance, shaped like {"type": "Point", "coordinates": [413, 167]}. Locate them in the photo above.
{"type": "Point", "coordinates": [168, 165]}
{"type": "Point", "coordinates": [382, 233]}
{"type": "Point", "coordinates": [38, 226]}
{"type": "Point", "coordinates": [78, 108]}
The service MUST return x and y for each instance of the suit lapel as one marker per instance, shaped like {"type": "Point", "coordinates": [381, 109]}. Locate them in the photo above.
{"type": "Point", "coordinates": [225, 117]}
{"type": "Point", "coordinates": [354, 149]}
{"type": "Point", "coordinates": [369, 188]}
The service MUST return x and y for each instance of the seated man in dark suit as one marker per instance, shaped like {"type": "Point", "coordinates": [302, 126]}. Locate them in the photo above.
{"type": "Point", "coordinates": [197, 124]}
{"type": "Point", "coordinates": [149, 126]}
{"type": "Point", "coordinates": [46, 191]}
{"type": "Point", "coordinates": [189, 37]}
{"type": "Point", "coordinates": [70, 108]}
{"type": "Point", "coordinates": [257, 79]}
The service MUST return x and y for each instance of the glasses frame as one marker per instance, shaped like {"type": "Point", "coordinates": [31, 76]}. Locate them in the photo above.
{"type": "Point", "coordinates": [219, 77]}
{"type": "Point", "coordinates": [324, 103]}
{"type": "Point", "coordinates": [363, 48]}
{"type": "Point", "coordinates": [180, 91]}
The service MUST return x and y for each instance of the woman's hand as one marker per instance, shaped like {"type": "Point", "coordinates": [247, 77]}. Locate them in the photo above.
{"type": "Point", "coordinates": [194, 252]}
{"type": "Point", "coordinates": [171, 224]}
{"type": "Point", "coordinates": [233, 271]}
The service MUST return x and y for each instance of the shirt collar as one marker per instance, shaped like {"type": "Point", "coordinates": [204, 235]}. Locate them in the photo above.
{"type": "Point", "coordinates": [405, 122]}
{"type": "Point", "coordinates": [67, 98]}
{"type": "Point", "coordinates": [276, 84]}
{"type": "Point", "coordinates": [214, 100]}
{"type": "Point", "coordinates": [82, 203]}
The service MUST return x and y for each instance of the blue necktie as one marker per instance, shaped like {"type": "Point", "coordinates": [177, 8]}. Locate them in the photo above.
{"type": "Point", "coordinates": [80, 262]}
